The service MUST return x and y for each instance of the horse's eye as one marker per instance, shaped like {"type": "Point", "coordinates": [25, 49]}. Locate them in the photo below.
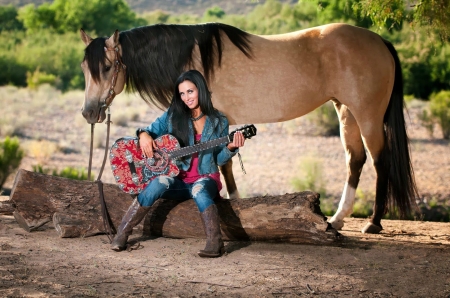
{"type": "Point", "coordinates": [107, 68]}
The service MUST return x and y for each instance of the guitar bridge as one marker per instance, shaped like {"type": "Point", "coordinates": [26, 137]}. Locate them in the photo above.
{"type": "Point", "coordinates": [135, 178]}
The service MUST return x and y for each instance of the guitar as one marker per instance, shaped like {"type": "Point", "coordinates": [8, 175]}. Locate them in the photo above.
{"type": "Point", "coordinates": [133, 172]}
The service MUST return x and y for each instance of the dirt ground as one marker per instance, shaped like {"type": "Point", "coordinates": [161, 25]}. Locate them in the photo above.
{"type": "Point", "coordinates": [408, 259]}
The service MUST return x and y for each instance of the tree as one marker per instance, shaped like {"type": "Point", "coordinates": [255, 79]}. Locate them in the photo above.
{"type": "Point", "coordinates": [35, 19]}
{"type": "Point", "coordinates": [215, 12]}
{"type": "Point", "coordinates": [8, 18]}
{"type": "Point", "coordinates": [337, 10]}
{"type": "Point", "coordinates": [432, 13]}
{"type": "Point", "coordinates": [100, 17]}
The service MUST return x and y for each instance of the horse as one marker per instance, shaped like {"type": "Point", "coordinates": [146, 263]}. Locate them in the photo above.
{"type": "Point", "coordinates": [274, 78]}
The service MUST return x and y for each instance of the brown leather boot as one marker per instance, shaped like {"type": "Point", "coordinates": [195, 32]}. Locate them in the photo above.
{"type": "Point", "coordinates": [132, 218]}
{"type": "Point", "coordinates": [214, 245]}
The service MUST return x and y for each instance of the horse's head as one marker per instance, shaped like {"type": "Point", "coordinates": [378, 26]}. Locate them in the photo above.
{"type": "Point", "coordinates": [102, 65]}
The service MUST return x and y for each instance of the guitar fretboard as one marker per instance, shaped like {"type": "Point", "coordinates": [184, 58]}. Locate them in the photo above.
{"type": "Point", "coordinates": [185, 151]}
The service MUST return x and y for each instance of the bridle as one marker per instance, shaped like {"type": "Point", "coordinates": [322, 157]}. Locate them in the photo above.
{"type": "Point", "coordinates": [118, 64]}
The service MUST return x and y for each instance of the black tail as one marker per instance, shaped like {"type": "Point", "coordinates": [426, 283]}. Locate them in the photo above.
{"type": "Point", "coordinates": [402, 190]}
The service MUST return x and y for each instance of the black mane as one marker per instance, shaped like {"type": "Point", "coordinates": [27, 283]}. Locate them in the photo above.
{"type": "Point", "coordinates": [156, 55]}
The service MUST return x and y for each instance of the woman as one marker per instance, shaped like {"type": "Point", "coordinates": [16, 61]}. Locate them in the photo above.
{"type": "Point", "coordinates": [191, 118]}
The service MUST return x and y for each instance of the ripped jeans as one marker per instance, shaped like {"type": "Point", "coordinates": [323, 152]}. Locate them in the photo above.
{"type": "Point", "coordinates": [203, 191]}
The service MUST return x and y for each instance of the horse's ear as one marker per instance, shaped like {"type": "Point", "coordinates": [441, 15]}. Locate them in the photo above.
{"type": "Point", "coordinates": [85, 38]}
{"type": "Point", "coordinates": [113, 40]}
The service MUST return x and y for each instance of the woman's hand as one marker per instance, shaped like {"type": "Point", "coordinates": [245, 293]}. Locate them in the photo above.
{"type": "Point", "coordinates": [147, 144]}
{"type": "Point", "coordinates": [238, 141]}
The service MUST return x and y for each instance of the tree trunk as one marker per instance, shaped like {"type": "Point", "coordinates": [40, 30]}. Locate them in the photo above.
{"type": "Point", "coordinates": [75, 209]}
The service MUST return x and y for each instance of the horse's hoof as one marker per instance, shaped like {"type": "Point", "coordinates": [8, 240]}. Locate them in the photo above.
{"type": "Point", "coordinates": [370, 228]}
{"type": "Point", "coordinates": [338, 224]}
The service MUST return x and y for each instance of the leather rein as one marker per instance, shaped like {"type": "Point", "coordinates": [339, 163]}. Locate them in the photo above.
{"type": "Point", "coordinates": [118, 64]}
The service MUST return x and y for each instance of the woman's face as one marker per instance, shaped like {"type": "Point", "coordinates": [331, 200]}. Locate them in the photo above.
{"type": "Point", "coordinates": [189, 94]}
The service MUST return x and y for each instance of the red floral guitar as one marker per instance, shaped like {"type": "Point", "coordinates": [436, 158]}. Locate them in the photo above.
{"type": "Point", "coordinates": [133, 172]}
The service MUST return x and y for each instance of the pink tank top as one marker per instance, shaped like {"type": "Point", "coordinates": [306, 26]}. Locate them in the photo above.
{"type": "Point", "coordinates": [192, 174]}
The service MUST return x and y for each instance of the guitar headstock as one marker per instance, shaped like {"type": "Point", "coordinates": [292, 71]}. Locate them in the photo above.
{"type": "Point", "coordinates": [248, 130]}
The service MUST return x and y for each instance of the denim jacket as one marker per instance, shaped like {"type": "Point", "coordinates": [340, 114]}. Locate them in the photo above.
{"type": "Point", "coordinates": [209, 159]}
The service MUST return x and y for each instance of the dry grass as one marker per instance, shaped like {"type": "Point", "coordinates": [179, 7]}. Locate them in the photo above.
{"type": "Point", "coordinates": [41, 150]}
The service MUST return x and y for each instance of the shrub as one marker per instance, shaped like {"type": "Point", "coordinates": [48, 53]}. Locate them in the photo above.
{"type": "Point", "coordinates": [311, 176]}
{"type": "Point", "coordinates": [10, 157]}
{"type": "Point", "coordinates": [363, 206]}
{"type": "Point", "coordinates": [440, 110]}
{"type": "Point", "coordinates": [325, 119]}
{"type": "Point", "coordinates": [434, 211]}
{"type": "Point", "coordinates": [426, 120]}
{"type": "Point", "coordinates": [41, 150]}
{"type": "Point", "coordinates": [38, 78]}
{"type": "Point", "coordinates": [327, 206]}
{"type": "Point", "coordinates": [67, 172]}
{"type": "Point", "coordinates": [12, 72]}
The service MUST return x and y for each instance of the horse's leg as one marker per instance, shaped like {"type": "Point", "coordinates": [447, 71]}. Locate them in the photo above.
{"type": "Point", "coordinates": [227, 172]}
{"type": "Point", "coordinates": [355, 156]}
{"type": "Point", "coordinates": [374, 140]}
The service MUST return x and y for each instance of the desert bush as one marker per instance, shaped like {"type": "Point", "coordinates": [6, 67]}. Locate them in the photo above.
{"type": "Point", "coordinates": [41, 150]}
{"type": "Point", "coordinates": [123, 116]}
{"type": "Point", "coordinates": [37, 78]}
{"type": "Point", "coordinates": [440, 111]}
{"type": "Point", "coordinates": [325, 119]}
{"type": "Point", "coordinates": [10, 157]}
{"type": "Point", "coordinates": [14, 125]}
{"type": "Point", "coordinates": [155, 17]}
{"type": "Point", "coordinates": [327, 206]}
{"type": "Point", "coordinates": [434, 210]}
{"type": "Point", "coordinates": [12, 72]}
{"type": "Point", "coordinates": [67, 172]}
{"type": "Point", "coordinates": [426, 120]}
{"type": "Point", "coordinates": [121, 119]}
{"type": "Point", "coordinates": [310, 176]}
{"type": "Point", "coordinates": [363, 206]}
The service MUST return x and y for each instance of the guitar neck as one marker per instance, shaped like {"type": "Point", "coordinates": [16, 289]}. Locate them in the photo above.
{"type": "Point", "coordinates": [185, 151]}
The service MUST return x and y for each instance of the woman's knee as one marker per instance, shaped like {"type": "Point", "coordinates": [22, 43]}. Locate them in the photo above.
{"type": "Point", "coordinates": [154, 190]}
{"type": "Point", "coordinates": [203, 193]}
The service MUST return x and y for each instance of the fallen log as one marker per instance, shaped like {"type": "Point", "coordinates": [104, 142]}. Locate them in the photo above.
{"type": "Point", "coordinates": [37, 197]}
{"type": "Point", "coordinates": [6, 207]}
{"type": "Point", "coordinates": [74, 208]}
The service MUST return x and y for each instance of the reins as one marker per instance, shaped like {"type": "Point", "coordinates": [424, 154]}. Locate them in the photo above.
{"type": "Point", "coordinates": [106, 104]}
{"type": "Point", "coordinates": [105, 215]}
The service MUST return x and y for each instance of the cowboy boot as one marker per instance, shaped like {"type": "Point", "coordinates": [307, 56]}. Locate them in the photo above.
{"type": "Point", "coordinates": [132, 218]}
{"type": "Point", "coordinates": [214, 243]}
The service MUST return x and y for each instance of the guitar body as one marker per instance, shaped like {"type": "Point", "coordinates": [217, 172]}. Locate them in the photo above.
{"type": "Point", "coordinates": [132, 171]}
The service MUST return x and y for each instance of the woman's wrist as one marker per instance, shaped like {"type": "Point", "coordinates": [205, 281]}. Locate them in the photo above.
{"type": "Point", "coordinates": [232, 148]}
{"type": "Point", "coordinates": [139, 131]}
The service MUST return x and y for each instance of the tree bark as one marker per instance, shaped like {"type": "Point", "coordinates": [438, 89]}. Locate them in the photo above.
{"type": "Point", "coordinates": [75, 209]}
{"type": "Point", "coordinates": [6, 207]}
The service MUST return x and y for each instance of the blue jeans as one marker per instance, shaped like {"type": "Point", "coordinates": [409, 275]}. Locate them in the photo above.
{"type": "Point", "coordinates": [203, 191]}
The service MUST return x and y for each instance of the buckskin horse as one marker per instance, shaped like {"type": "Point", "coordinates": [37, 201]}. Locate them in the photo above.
{"type": "Point", "coordinates": [273, 78]}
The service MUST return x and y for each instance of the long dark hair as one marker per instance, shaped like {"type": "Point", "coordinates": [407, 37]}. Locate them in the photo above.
{"type": "Point", "coordinates": [156, 55]}
{"type": "Point", "coordinates": [180, 113]}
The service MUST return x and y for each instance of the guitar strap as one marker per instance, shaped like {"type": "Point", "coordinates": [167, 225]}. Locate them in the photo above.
{"type": "Point", "coordinates": [241, 163]}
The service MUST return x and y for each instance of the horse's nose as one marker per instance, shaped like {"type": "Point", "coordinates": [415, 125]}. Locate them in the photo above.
{"type": "Point", "coordinates": [88, 114]}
